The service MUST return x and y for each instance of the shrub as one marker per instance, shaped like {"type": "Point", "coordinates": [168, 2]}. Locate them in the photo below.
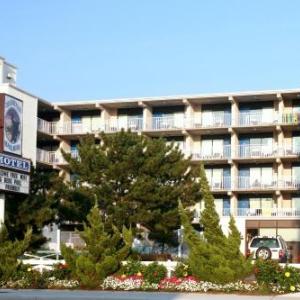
{"type": "Point", "coordinates": [266, 272]}
{"type": "Point", "coordinates": [132, 267]}
{"type": "Point", "coordinates": [182, 270]}
{"type": "Point", "coordinates": [154, 273]}
{"type": "Point", "coordinates": [288, 279]}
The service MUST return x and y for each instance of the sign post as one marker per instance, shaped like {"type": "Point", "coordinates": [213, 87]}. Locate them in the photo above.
{"type": "Point", "coordinates": [2, 209]}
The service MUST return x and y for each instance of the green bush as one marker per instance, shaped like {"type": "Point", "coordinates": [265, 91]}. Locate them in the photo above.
{"type": "Point", "coordinates": [288, 279]}
{"type": "Point", "coordinates": [154, 273]}
{"type": "Point", "coordinates": [266, 272]}
{"type": "Point", "coordinates": [132, 267]}
{"type": "Point", "coordinates": [182, 270]}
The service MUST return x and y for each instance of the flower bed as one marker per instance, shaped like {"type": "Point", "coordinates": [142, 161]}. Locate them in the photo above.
{"type": "Point", "coordinates": [186, 284]}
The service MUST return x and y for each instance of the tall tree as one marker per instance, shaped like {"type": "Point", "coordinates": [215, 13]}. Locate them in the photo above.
{"type": "Point", "coordinates": [102, 254]}
{"type": "Point", "coordinates": [10, 251]}
{"type": "Point", "coordinates": [136, 179]}
{"type": "Point", "coordinates": [213, 256]}
{"type": "Point", "coordinates": [36, 210]}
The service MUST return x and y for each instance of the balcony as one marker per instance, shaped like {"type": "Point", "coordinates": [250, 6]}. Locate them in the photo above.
{"type": "Point", "coordinates": [220, 184]}
{"type": "Point", "coordinates": [134, 124]}
{"type": "Point", "coordinates": [215, 154]}
{"type": "Point", "coordinates": [268, 212]}
{"type": "Point", "coordinates": [46, 127]}
{"type": "Point", "coordinates": [255, 151]}
{"type": "Point", "coordinates": [215, 120]}
{"type": "Point", "coordinates": [252, 119]}
{"type": "Point", "coordinates": [289, 118]}
{"type": "Point", "coordinates": [289, 183]}
{"type": "Point", "coordinates": [248, 184]}
{"type": "Point", "coordinates": [53, 157]}
{"type": "Point", "coordinates": [167, 123]}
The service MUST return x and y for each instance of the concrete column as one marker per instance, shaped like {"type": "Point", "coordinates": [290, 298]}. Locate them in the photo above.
{"type": "Point", "coordinates": [233, 204]}
{"type": "Point", "coordinates": [234, 172]}
{"type": "Point", "coordinates": [147, 116]}
{"type": "Point", "coordinates": [234, 111]}
{"type": "Point", "coordinates": [189, 113]}
{"type": "Point", "coordinates": [189, 145]}
{"type": "Point", "coordinates": [2, 209]}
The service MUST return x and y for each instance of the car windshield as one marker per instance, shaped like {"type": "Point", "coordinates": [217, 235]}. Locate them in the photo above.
{"type": "Point", "coordinates": [264, 242]}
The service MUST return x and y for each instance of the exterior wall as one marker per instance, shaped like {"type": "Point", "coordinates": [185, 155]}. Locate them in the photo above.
{"type": "Point", "coordinates": [29, 120]}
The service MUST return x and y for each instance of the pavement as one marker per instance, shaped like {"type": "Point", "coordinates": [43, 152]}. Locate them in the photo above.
{"type": "Point", "coordinates": [9, 294]}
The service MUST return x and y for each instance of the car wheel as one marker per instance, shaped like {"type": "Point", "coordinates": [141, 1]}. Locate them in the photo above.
{"type": "Point", "coordinates": [263, 253]}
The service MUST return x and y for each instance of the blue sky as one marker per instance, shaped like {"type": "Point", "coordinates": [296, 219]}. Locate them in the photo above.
{"type": "Point", "coordinates": [93, 49]}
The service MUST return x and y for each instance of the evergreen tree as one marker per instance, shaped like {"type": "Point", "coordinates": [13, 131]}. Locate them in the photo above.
{"type": "Point", "coordinates": [213, 256]}
{"type": "Point", "coordinates": [102, 254]}
{"type": "Point", "coordinates": [36, 210]}
{"type": "Point", "coordinates": [209, 217]}
{"type": "Point", "coordinates": [10, 251]}
{"type": "Point", "coordinates": [137, 180]}
{"type": "Point", "coordinates": [238, 262]}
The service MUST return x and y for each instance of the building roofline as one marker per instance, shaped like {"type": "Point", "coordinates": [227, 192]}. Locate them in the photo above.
{"type": "Point", "coordinates": [7, 63]}
{"type": "Point", "coordinates": [177, 97]}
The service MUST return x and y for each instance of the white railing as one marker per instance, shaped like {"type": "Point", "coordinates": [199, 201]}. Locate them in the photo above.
{"type": "Point", "coordinates": [216, 120]}
{"type": "Point", "coordinates": [248, 183]}
{"type": "Point", "coordinates": [267, 212]}
{"type": "Point", "coordinates": [223, 153]}
{"type": "Point", "coordinates": [256, 118]}
{"type": "Point", "coordinates": [253, 151]}
{"type": "Point", "coordinates": [289, 183]}
{"type": "Point", "coordinates": [167, 122]}
{"type": "Point", "coordinates": [53, 157]}
{"type": "Point", "coordinates": [134, 124]}
{"type": "Point", "coordinates": [217, 184]}
{"type": "Point", "coordinates": [289, 118]}
{"type": "Point", "coordinates": [289, 151]}
{"type": "Point", "coordinates": [45, 156]}
{"type": "Point", "coordinates": [45, 126]}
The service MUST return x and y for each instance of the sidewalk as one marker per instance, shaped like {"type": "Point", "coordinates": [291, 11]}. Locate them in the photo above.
{"type": "Point", "coordinates": [105, 295]}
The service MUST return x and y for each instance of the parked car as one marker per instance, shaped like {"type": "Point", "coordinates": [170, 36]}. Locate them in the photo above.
{"type": "Point", "coordinates": [265, 247]}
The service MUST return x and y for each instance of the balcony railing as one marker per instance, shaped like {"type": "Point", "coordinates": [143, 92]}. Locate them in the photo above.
{"type": "Point", "coordinates": [53, 157]}
{"type": "Point", "coordinates": [268, 212]}
{"type": "Point", "coordinates": [256, 151]}
{"type": "Point", "coordinates": [254, 118]}
{"type": "Point", "coordinates": [248, 183]}
{"type": "Point", "coordinates": [167, 123]}
{"type": "Point", "coordinates": [288, 151]}
{"type": "Point", "coordinates": [216, 120]}
{"type": "Point", "coordinates": [289, 118]}
{"type": "Point", "coordinates": [289, 183]}
{"type": "Point", "coordinates": [45, 126]}
{"type": "Point", "coordinates": [223, 153]}
{"type": "Point", "coordinates": [133, 124]}
{"type": "Point", "coordinates": [220, 184]}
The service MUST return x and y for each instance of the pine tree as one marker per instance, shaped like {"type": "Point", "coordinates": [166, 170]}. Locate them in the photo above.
{"type": "Point", "coordinates": [209, 217]}
{"type": "Point", "coordinates": [36, 210]}
{"type": "Point", "coordinates": [238, 262]}
{"type": "Point", "coordinates": [137, 180]}
{"type": "Point", "coordinates": [102, 254]}
{"type": "Point", "coordinates": [206, 260]}
{"type": "Point", "coordinates": [10, 251]}
{"type": "Point", "coordinates": [213, 256]}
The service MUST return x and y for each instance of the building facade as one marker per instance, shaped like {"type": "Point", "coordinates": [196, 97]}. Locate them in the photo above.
{"type": "Point", "coordinates": [249, 143]}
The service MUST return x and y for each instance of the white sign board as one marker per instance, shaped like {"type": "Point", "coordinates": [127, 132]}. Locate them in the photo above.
{"type": "Point", "coordinates": [14, 182]}
{"type": "Point", "coordinates": [13, 125]}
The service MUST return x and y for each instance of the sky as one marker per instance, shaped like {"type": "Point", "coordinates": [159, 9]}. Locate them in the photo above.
{"type": "Point", "coordinates": [96, 49]}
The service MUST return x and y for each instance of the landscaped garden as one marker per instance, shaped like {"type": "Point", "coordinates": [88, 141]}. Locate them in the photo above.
{"type": "Point", "coordinates": [129, 186]}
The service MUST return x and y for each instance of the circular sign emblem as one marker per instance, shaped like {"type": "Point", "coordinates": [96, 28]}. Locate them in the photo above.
{"type": "Point", "coordinates": [12, 125]}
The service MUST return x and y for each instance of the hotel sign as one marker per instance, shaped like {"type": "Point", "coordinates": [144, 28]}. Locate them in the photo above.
{"type": "Point", "coordinates": [14, 169]}
{"type": "Point", "coordinates": [12, 131]}
{"type": "Point", "coordinates": [14, 182]}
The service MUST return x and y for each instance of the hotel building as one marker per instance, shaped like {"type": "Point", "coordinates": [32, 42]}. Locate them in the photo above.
{"type": "Point", "coordinates": [249, 143]}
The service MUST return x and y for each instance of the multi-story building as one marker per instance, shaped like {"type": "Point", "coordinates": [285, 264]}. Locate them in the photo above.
{"type": "Point", "coordinates": [249, 143]}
